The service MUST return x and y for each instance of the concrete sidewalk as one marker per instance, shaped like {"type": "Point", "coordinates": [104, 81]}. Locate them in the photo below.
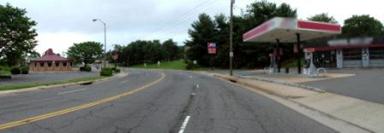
{"type": "Point", "coordinates": [368, 116]}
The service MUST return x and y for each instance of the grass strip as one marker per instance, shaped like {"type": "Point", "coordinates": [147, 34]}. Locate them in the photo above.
{"type": "Point", "coordinates": [17, 86]}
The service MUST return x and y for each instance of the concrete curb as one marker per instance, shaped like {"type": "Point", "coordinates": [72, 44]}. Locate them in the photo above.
{"type": "Point", "coordinates": [276, 92]}
{"type": "Point", "coordinates": [42, 87]}
{"type": "Point", "coordinates": [287, 83]}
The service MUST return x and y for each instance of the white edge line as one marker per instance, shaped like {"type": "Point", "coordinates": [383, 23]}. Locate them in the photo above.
{"type": "Point", "coordinates": [71, 91]}
{"type": "Point", "coordinates": [184, 125]}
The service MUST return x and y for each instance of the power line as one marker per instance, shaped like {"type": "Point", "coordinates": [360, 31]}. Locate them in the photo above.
{"type": "Point", "coordinates": [184, 18]}
{"type": "Point", "coordinates": [209, 7]}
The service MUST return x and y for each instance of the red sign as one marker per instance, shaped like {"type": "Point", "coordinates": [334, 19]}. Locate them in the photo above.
{"type": "Point", "coordinates": [115, 55]}
{"type": "Point", "coordinates": [309, 50]}
{"type": "Point", "coordinates": [211, 48]}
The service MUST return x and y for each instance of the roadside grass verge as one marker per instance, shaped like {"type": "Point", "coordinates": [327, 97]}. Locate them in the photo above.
{"type": "Point", "coordinates": [34, 84]}
{"type": "Point", "coordinates": [176, 65]}
{"type": "Point", "coordinates": [5, 72]}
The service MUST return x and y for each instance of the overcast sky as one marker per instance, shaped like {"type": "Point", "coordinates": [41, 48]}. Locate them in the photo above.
{"type": "Point", "coordinates": [64, 22]}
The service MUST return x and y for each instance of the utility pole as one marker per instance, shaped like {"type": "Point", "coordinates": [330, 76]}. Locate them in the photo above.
{"type": "Point", "coordinates": [105, 45]}
{"type": "Point", "coordinates": [231, 39]}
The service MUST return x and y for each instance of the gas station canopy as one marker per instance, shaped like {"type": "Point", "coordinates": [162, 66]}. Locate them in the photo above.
{"type": "Point", "coordinates": [287, 29]}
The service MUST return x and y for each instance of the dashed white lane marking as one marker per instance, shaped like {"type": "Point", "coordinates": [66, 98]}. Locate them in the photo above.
{"type": "Point", "coordinates": [190, 76]}
{"type": "Point", "coordinates": [184, 125]}
{"type": "Point", "coordinates": [197, 86]}
{"type": "Point", "coordinates": [71, 91]}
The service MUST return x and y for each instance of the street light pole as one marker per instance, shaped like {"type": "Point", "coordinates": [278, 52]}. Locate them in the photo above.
{"type": "Point", "coordinates": [105, 40]}
{"type": "Point", "coordinates": [231, 39]}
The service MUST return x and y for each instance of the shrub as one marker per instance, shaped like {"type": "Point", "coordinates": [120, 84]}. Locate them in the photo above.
{"type": "Point", "coordinates": [24, 69]}
{"type": "Point", "coordinates": [15, 70]}
{"type": "Point", "coordinates": [116, 70]}
{"type": "Point", "coordinates": [86, 68]}
{"type": "Point", "coordinates": [190, 65]}
{"type": "Point", "coordinates": [106, 72]}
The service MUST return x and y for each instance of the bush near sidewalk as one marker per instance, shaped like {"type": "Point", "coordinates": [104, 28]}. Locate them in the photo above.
{"type": "Point", "coordinates": [85, 68]}
{"type": "Point", "coordinates": [24, 69]}
{"type": "Point", "coordinates": [116, 70]}
{"type": "Point", "coordinates": [106, 71]}
{"type": "Point", "coordinates": [15, 70]}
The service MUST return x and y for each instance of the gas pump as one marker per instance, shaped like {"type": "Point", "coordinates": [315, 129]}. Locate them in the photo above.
{"type": "Point", "coordinates": [309, 68]}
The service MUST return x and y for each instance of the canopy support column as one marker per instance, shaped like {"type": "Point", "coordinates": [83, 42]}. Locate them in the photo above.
{"type": "Point", "coordinates": [299, 53]}
{"type": "Point", "coordinates": [278, 58]}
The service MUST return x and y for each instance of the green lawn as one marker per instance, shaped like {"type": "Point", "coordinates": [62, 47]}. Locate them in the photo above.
{"type": "Point", "coordinates": [177, 65]}
{"type": "Point", "coordinates": [28, 85]}
{"type": "Point", "coordinates": [5, 71]}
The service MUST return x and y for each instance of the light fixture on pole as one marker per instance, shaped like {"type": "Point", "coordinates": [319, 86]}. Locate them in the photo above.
{"type": "Point", "coordinates": [105, 39]}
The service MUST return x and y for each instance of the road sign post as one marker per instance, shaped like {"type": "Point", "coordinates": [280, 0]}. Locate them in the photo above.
{"type": "Point", "coordinates": [212, 51]}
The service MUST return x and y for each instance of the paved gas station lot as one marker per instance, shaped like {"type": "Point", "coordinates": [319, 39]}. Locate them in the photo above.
{"type": "Point", "coordinates": [367, 84]}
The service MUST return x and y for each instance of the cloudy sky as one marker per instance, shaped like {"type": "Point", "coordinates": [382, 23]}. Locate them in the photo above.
{"type": "Point", "coordinates": [64, 22]}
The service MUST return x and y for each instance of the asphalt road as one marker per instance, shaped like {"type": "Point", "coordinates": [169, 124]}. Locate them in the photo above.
{"type": "Point", "coordinates": [151, 102]}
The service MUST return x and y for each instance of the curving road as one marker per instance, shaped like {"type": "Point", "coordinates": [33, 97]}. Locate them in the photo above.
{"type": "Point", "coordinates": [151, 102]}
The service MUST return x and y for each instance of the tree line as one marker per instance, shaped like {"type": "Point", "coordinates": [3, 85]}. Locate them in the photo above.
{"type": "Point", "coordinates": [142, 51]}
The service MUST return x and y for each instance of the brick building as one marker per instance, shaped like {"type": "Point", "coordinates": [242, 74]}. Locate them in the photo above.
{"type": "Point", "coordinates": [50, 62]}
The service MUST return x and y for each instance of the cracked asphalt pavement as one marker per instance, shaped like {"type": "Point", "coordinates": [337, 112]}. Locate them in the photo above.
{"type": "Point", "coordinates": [213, 106]}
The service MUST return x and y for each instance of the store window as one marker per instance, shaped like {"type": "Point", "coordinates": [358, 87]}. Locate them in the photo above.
{"type": "Point", "coordinates": [352, 54]}
{"type": "Point", "coordinates": [376, 53]}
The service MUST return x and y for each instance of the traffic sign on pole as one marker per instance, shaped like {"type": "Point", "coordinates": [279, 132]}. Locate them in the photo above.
{"type": "Point", "coordinates": [211, 48]}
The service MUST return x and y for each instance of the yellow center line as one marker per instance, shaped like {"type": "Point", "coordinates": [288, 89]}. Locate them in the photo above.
{"type": "Point", "coordinates": [76, 108]}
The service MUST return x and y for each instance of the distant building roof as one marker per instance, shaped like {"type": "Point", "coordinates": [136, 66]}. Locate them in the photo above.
{"type": "Point", "coordinates": [49, 55]}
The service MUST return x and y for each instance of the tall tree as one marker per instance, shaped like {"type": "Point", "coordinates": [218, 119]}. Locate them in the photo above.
{"type": "Point", "coordinates": [17, 35]}
{"type": "Point", "coordinates": [362, 25]}
{"type": "Point", "coordinates": [323, 17]}
{"type": "Point", "coordinates": [203, 31]}
{"type": "Point", "coordinates": [86, 52]}
{"type": "Point", "coordinates": [170, 49]}
{"type": "Point", "coordinates": [261, 11]}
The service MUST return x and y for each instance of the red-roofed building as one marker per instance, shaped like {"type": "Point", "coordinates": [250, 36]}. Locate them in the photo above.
{"type": "Point", "coordinates": [50, 62]}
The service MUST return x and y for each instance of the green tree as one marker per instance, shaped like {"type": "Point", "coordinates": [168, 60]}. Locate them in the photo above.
{"type": "Point", "coordinates": [86, 52]}
{"type": "Point", "coordinates": [34, 54]}
{"type": "Point", "coordinates": [17, 35]}
{"type": "Point", "coordinates": [170, 49]}
{"type": "Point", "coordinates": [323, 17]}
{"type": "Point", "coordinates": [261, 11]}
{"type": "Point", "coordinates": [203, 31]}
{"type": "Point", "coordinates": [362, 25]}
